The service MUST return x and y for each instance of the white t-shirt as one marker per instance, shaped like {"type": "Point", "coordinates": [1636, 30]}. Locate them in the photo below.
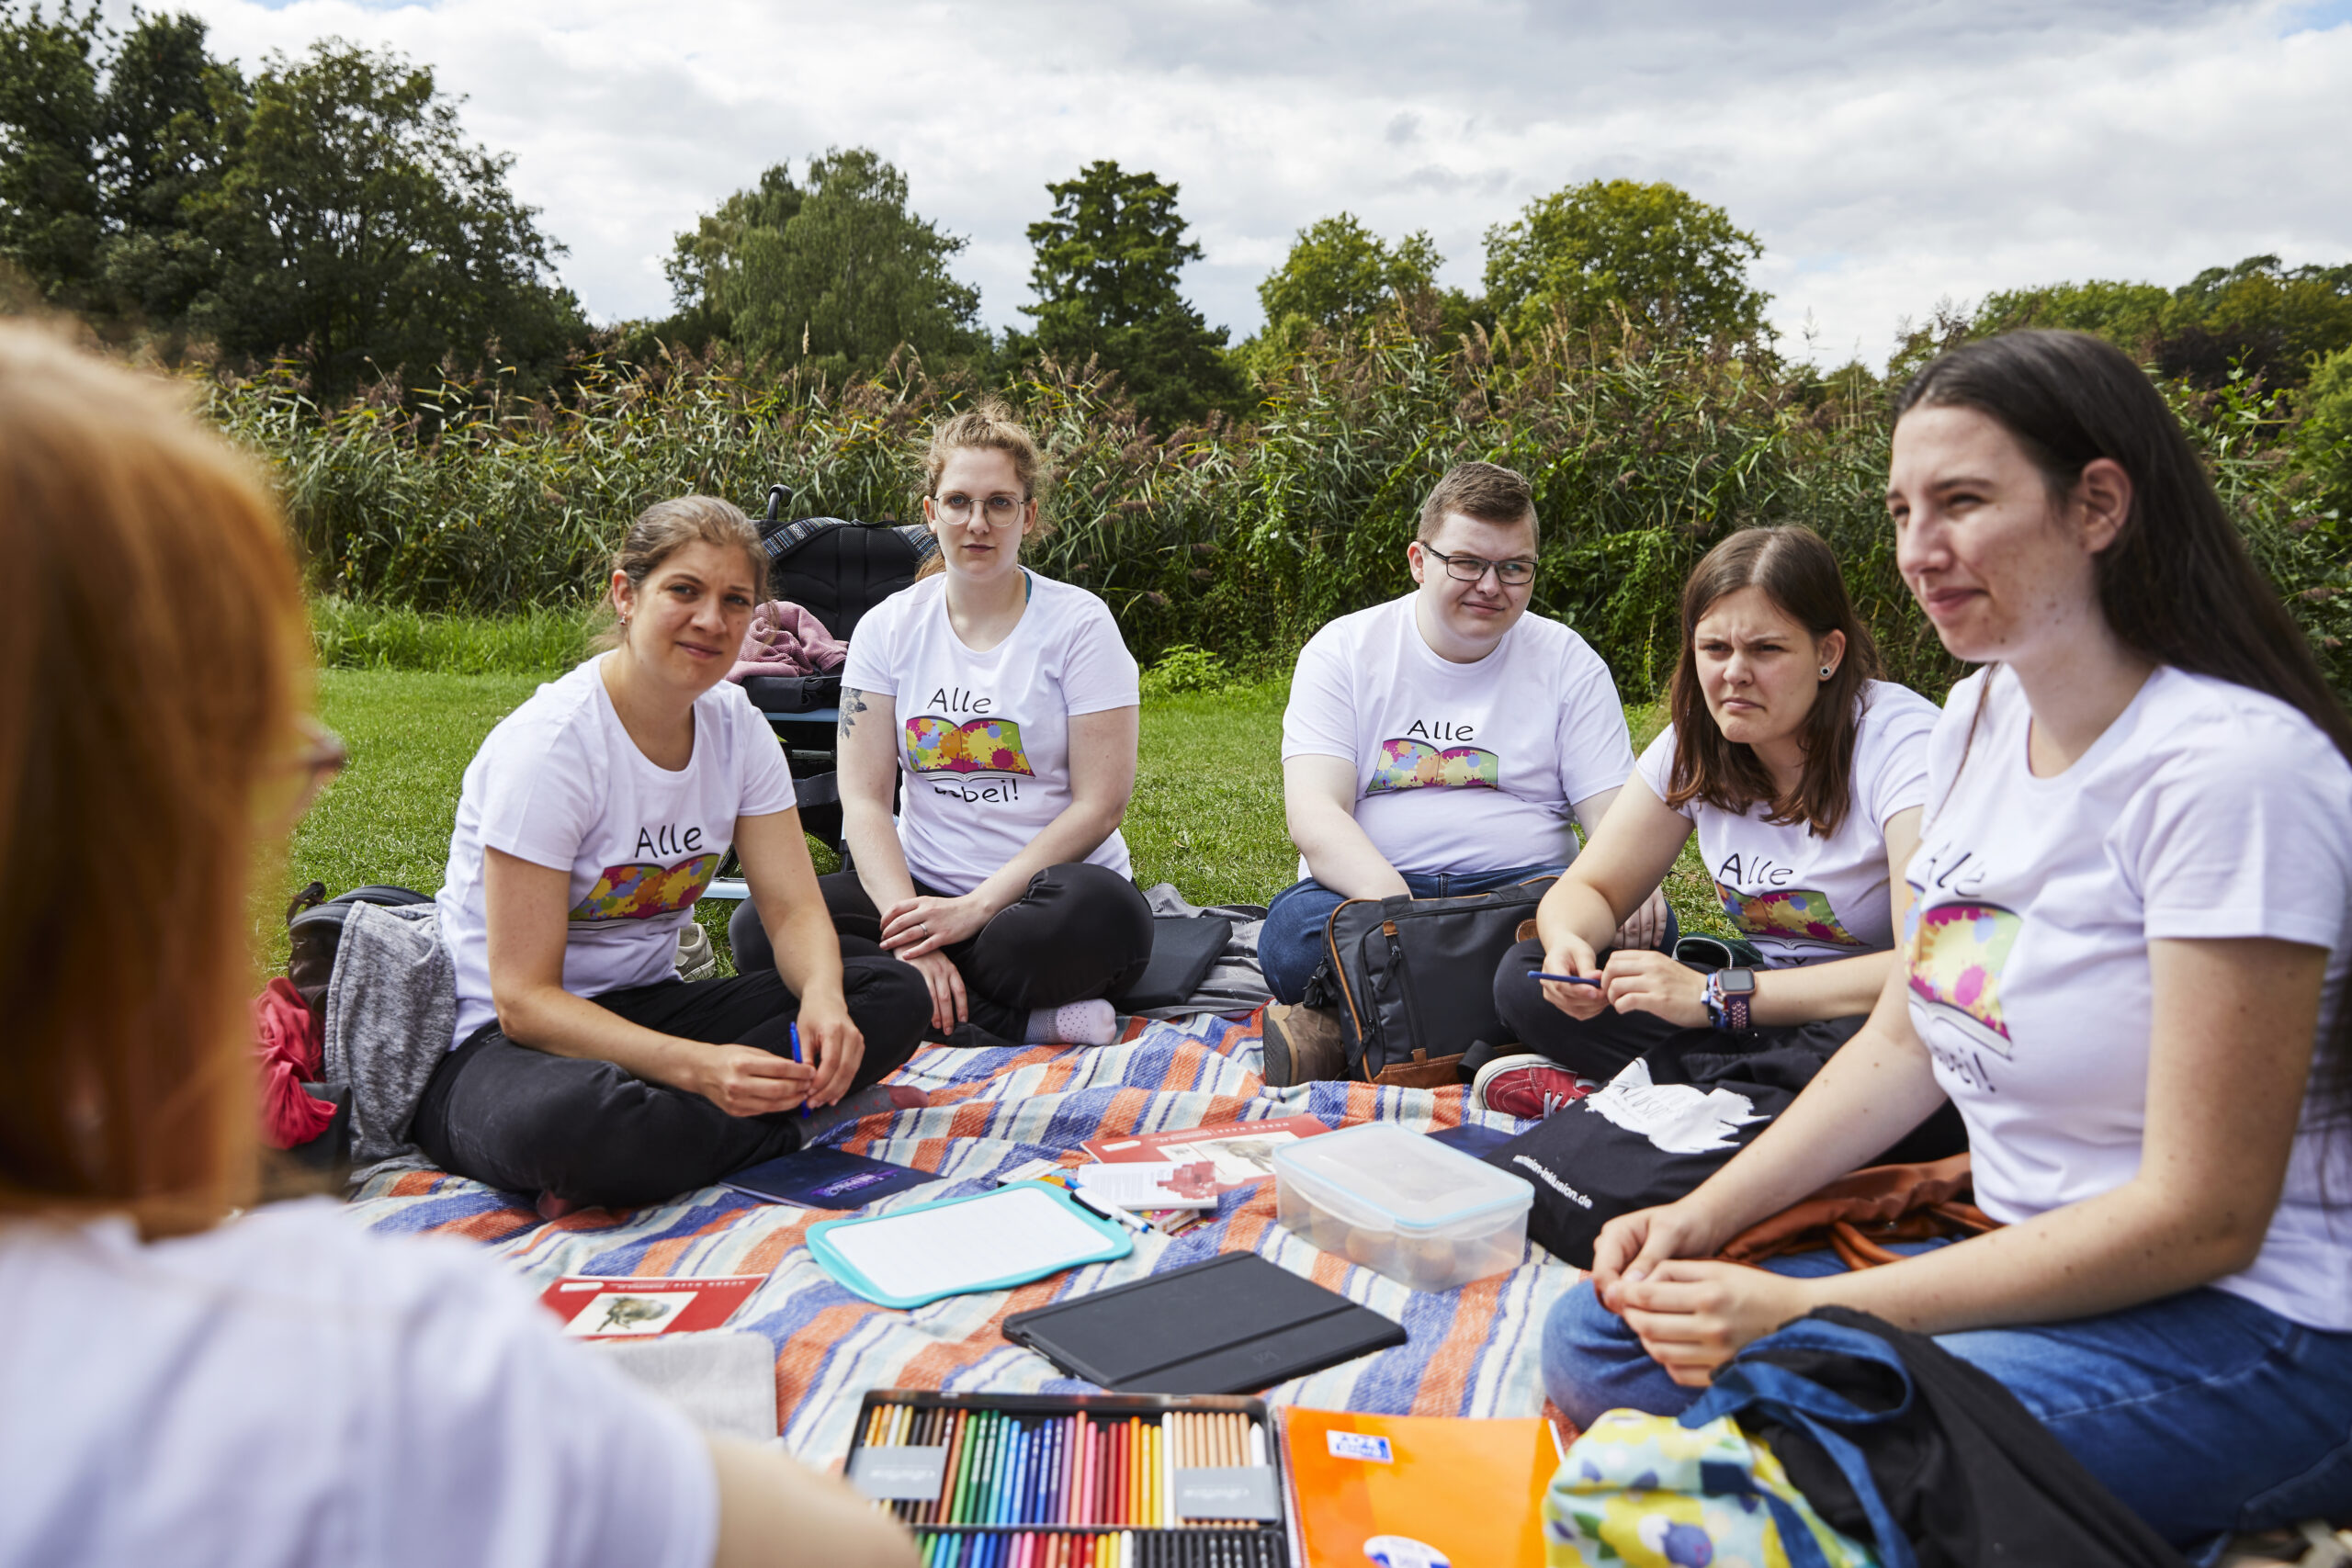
{"type": "Point", "coordinates": [290, 1389]}
{"type": "Point", "coordinates": [559, 783]}
{"type": "Point", "coordinates": [1460, 767]}
{"type": "Point", "coordinates": [2206, 810]}
{"type": "Point", "coordinates": [1798, 896]}
{"type": "Point", "coordinates": [984, 737]}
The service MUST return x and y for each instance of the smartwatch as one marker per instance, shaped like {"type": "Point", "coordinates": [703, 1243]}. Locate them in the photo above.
{"type": "Point", "coordinates": [1729, 994]}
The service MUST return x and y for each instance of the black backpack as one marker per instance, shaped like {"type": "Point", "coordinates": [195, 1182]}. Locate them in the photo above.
{"type": "Point", "coordinates": [1413, 979]}
{"type": "Point", "coordinates": [838, 570]}
{"type": "Point", "coordinates": [314, 931]}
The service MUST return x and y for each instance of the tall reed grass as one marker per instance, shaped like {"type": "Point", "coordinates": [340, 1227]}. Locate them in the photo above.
{"type": "Point", "coordinates": [1235, 539]}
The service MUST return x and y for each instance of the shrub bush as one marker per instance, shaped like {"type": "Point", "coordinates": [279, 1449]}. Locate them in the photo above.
{"type": "Point", "coordinates": [1234, 542]}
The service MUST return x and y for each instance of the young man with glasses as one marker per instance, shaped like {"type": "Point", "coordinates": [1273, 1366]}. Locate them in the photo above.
{"type": "Point", "coordinates": [1438, 744]}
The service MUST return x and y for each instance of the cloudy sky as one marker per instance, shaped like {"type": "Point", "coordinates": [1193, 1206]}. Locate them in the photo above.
{"type": "Point", "coordinates": [1889, 156]}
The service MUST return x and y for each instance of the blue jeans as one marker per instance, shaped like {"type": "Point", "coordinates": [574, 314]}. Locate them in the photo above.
{"type": "Point", "coordinates": [2203, 1412]}
{"type": "Point", "coordinates": [1291, 943]}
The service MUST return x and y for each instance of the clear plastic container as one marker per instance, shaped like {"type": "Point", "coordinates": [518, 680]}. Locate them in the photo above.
{"type": "Point", "coordinates": [1393, 1200]}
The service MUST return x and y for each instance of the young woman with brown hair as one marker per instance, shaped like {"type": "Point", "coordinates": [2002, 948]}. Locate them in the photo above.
{"type": "Point", "coordinates": [1802, 774]}
{"type": "Point", "coordinates": [588, 824]}
{"type": "Point", "coordinates": [283, 1388]}
{"type": "Point", "coordinates": [2125, 965]}
{"type": "Point", "coordinates": [1006, 705]}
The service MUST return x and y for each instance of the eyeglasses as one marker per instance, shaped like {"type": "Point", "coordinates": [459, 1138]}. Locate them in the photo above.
{"type": "Point", "coordinates": [1000, 507]}
{"type": "Point", "coordinates": [1514, 573]}
{"type": "Point", "coordinates": [293, 785]}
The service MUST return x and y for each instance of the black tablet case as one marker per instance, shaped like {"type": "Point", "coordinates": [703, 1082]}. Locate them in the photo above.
{"type": "Point", "coordinates": [1233, 1325]}
{"type": "Point", "coordinates": [1185, 948]}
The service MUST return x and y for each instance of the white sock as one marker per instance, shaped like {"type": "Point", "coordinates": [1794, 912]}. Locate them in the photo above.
{"type": "Point", "coordinates": [1080, 1023]}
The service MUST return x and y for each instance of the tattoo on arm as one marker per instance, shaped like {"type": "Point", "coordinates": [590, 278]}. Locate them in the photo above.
{"type": "Point", "coordinates": [853, 703]}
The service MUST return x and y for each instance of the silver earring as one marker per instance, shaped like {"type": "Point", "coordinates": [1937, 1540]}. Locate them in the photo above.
{"type": "Point", "coordinates": [1825, 671]}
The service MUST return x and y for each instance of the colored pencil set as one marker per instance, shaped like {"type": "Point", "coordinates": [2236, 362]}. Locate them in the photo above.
{"type": "Point", "coordinates": [1120, 1548]}
{"type": "Point", "coordinates": [1101, 1480]}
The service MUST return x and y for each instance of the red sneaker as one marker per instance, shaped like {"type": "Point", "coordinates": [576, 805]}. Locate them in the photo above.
{"type": "Point", "coordinates": [1528, 1086]}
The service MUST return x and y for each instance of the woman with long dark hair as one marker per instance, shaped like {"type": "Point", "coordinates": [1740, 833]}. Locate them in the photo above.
{"type": "Point", "coordinates": [1802, 773]}
{"type": "Point", "coordinates": [2124, 965]}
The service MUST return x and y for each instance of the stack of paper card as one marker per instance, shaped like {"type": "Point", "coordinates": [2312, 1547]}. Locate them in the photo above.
{"type": "Point", "coordinates": [608, 1307]}
{"type": "Point", "coordinates": [1152, 1184]}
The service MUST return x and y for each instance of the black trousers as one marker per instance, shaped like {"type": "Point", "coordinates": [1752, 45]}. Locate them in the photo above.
{"type": "Point", "coordinates": [1079, 932]}
{"type": "Point", "coordinates": [1599, 1047]}
{"type": "Point", "coordinates": [592, 1133]}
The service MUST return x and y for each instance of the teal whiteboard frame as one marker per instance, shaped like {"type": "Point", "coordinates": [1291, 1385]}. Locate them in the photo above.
{"type": "Point", "coordinates": [1116, 1243]}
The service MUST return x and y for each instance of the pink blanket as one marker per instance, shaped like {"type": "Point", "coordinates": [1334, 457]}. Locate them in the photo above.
{"type": "Point", "coordinates": [785, 639]}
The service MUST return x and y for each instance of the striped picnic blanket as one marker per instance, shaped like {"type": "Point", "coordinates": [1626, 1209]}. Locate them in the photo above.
{"type": "Point", "coordinates": [1472, 1351]}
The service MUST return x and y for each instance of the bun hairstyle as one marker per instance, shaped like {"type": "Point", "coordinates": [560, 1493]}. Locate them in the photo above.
{"type": "Point", "coordinates": [664, 528]}
{"type": "Point", "coordinates": [1798, 572]}
{"type": "Point", "coordinates": [2178, 585]}
{"type": "Point", "coordinates": [127, 1081]}
{"type": "Point", "coordinates": [986, 426]}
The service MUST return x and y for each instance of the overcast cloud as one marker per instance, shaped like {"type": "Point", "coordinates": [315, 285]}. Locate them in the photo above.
{"type": "Point", "coordinates": [1888, 155]}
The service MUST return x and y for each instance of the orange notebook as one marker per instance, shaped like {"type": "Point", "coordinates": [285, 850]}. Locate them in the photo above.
{"type": "Point", "coordinates": [1417, 1491]}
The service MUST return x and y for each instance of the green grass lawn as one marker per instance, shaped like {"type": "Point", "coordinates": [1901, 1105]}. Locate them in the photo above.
{"type": "Point", "coordinates": [1208, 814]}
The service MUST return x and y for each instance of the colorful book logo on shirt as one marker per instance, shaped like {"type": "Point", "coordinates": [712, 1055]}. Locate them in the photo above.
{"type": "Point", "coordinates": [1407, 763]}
{"type": "Point", "coordinates": [1798, 914]}
{"type": "Point", "coordinates": [979, 745]}
{"type": "Point", "coordinates": [639, 892]}
{"type": "Point", "coordinates": [1956, 952]}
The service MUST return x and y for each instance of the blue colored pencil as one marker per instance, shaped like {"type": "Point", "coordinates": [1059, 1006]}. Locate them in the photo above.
{"type": "Point", "coordinates": [1008, 1473]}
{"type": "Point", "coordinates": [796, 1057]}
{"type": "Point", "coordinates": [1049, 1473]}
{"type": "Point", "coordinates": [1031, 1440]}
{"type": "Point", "coordinates": [1018, 1511]}
{"type": "Point", "coordinates": [1049, 1503]}
{"type": "Point", "coordinates": [1041, 1494]}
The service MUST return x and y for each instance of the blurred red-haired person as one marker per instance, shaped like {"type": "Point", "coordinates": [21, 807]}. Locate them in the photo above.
{"type": "Point", "coordinates": [280, 1388]}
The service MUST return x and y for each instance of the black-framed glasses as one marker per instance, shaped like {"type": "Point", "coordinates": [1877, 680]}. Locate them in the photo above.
{"type": "Point", "coordinates": [1517, 572]}
{"type": "Point", "coordinates": [999, 508]}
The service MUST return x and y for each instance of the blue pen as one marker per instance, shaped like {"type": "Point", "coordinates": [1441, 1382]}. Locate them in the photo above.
{"type": "Point", "coordinates": [1564, 980]}
{"type": "Point", "coordinates": [794, 1027]}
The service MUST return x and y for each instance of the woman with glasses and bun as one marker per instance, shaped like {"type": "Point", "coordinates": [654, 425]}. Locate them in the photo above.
{"type": "Point", "coordinates": [1003, 707]}
{"type": "Point", "coordinates": [2124, 963]}
{"type": "Point", "coordinates": [188, 1379]}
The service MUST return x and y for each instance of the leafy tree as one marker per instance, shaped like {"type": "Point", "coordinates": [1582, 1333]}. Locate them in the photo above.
{"type": "Point", "coordinates": [838, 275]}
{"type": "Point", "coordinates": [1674, 265]}
{"type": "Point", "coordinates": [49, 120]}
{"type": "Point", "coordinates": [1105, 277]}
{"type": "Point", "coordinates": [355, 225]}
{"type": "Point", "coordinates": [164, 155]}
{"type": "Point", "coordinates": [2257, 317]}
{"type": "Point", "coordinates": [1338, 272]}
{"type": "Point", "coordinates": [699, 262]}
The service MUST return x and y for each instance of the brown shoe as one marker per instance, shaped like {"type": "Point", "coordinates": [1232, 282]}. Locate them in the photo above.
{"type": "Point", "coordinates": [1302, 1045]}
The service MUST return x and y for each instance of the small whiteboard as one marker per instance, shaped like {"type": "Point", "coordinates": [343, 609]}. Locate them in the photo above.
{"type": "Point", "coordinates": [990, 1241]}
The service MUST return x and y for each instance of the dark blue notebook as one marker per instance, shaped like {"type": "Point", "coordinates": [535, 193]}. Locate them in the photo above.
{"type": "Point", "coordinates": [825, 1178]}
